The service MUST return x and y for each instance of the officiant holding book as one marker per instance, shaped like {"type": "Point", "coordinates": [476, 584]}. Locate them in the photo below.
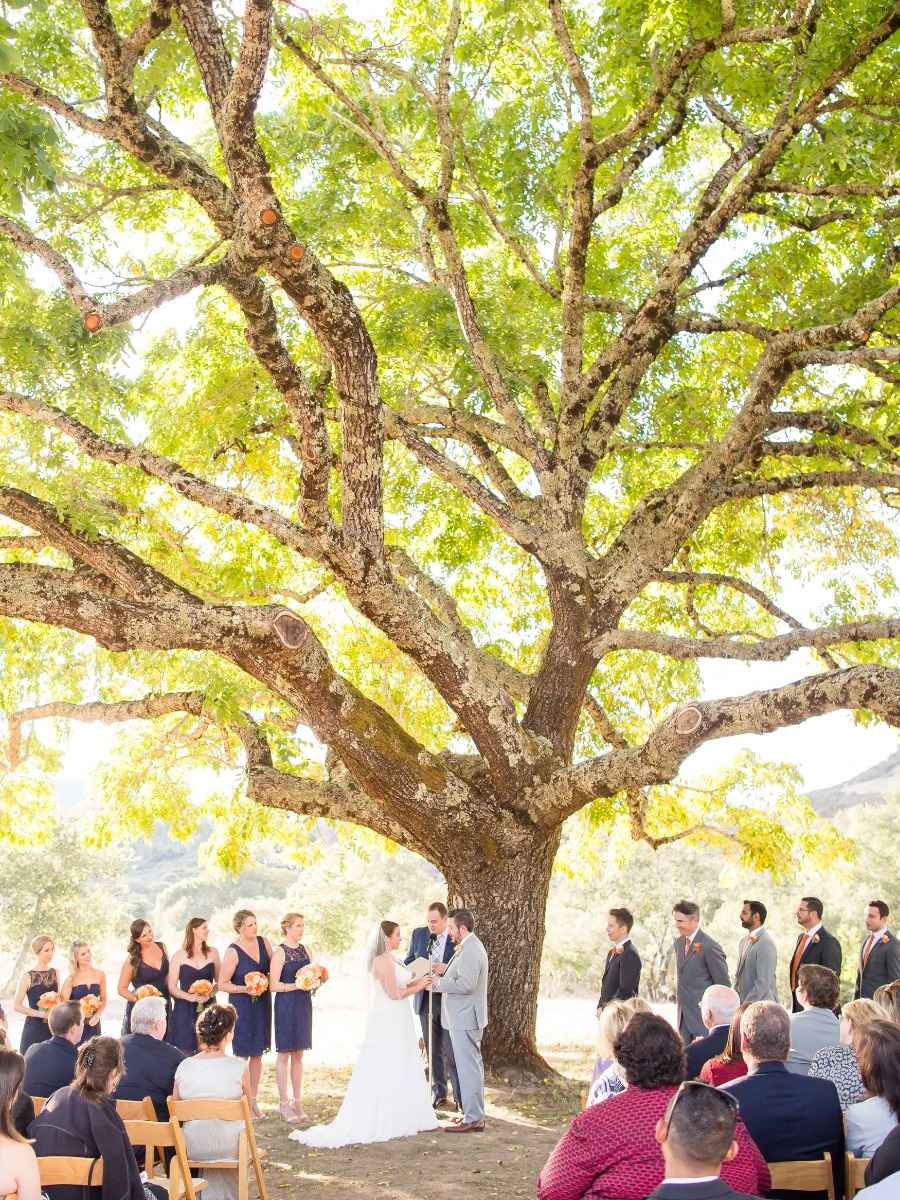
{"type": "Point", "coordinates": [433, 941]}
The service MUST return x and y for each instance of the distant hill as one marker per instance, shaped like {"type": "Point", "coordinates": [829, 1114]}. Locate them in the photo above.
{"type": "Point", "coordinates": [873, 786]}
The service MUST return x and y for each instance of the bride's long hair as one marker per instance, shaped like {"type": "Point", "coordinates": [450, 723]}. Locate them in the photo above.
{"type": "Point", "coordinates": [378, 943]}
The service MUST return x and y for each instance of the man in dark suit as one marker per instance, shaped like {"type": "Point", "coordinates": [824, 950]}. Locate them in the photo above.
{"type": "Point", "coordinates": [150, 1062]}
{"type": "Point", "coordinates": [696, 1137]}
{"type": "Point", "coordinates": [814, 945]}
{"type": "Point", "coordinates": [699, 963]}
{"type": "Point", "coordinates": [622, 972]}
{"type": "Point", "coordinates": [718, 1006]}
{"type": "Point", "coordinates": [879, 955]}
{"type": "Point", "coordinates": [788, 1116]}
{"type": "Point", "coordinates": [51, 1065]}
{"type": "Point", "coordinates": [433, 941]}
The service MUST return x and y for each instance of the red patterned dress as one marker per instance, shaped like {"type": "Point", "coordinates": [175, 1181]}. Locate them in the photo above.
{"type": "Point", "coordinates": [610, 1153]}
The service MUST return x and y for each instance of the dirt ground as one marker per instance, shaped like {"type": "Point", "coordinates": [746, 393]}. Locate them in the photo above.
{"type": "Point", "coordinates": [523, 1125]}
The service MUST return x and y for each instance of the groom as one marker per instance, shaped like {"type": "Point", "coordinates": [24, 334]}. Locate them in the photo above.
{"type": "Point", "coordinates": [463, 986]}
{"type": "Point", "coordinates": [433, 941]}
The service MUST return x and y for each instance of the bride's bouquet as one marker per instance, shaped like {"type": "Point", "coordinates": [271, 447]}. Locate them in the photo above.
{"type": "Point", "coordinates": [311, 977]}
{"type": "Point", "coordinates": [146, 990]}
{"type": "Point", "coordinates": [47, 1001]}
{"type": "Point", "coordinates": [255, 983]}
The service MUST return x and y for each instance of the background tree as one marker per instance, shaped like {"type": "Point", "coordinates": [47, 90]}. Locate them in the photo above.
{"type": "Point", "coordinates": [533, 351]}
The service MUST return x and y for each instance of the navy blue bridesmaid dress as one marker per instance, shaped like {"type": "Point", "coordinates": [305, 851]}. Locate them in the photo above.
{"type": "Point", "coordinates": [293, 1010]}
{"type": "Point", "coordinates": [182, 1032]}
{"type": "Point", "coordinates": [36, 1029]}
{"type": "Point", "coordinates": [158, 977]}
{"type": "Point", "coordinates": [79, 991]}
{"type": "Point", "coordinates": [253, 1031]}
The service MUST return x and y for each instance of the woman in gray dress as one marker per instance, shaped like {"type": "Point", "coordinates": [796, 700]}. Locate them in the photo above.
{"type": "Point", "coordinates": [214, 1075]}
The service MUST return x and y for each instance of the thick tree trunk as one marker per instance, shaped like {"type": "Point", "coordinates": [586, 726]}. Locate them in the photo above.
{"type": "Point", "coordinates": [508, 896]}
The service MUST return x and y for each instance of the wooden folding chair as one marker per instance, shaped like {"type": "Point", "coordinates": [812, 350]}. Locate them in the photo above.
{"type": "Point", "coordinates": [64, 1169]}
{"type": "Point", "coordinates": [183, 1111]}
{"type": "Point", "coordinates": [161, 1135]}
{"type": "Point", "coordinates": [38, 1102]}
{"type": "Point", "coordinates": [802, 1176]}
{"type": "Point", "coordinates": [855, 1176]}
{"type": "Point", "coordinates": [136, 1110]}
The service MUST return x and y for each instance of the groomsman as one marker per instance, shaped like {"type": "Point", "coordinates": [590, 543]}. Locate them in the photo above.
{"type": "Point", "coordinates": [699, 963]}
{"type": "Point", "coordinates": [879, 955]}
{"type": "Point", "coordinates": [622, 972]}
{"type": "Point", "coordinates": [754, 978]}
{"type": "Point", "coordinates": [433, 941]}
{"type": "Point", "coordinates": [814, 945]}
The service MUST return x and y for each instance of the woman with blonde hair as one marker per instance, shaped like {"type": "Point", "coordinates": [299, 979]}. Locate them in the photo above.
{"type": "Point", "coordinates": [85, 980]}
{"type": "Point", "coordinates": [612, 1020]}
{"type": "Point", "coordinates": [249, 954]}
{"type": "Point", "coordinates": [18, 1164]}
{"type": "Point", "coordinates": [293, 1015]}
{"type": "Point", "coordinates": [37, 981]}
{"type": "Point", "coordinates": [838, 1063]}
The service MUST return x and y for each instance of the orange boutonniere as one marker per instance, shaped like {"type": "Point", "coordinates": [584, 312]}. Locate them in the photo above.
{"type": "Point", "coordinates": [621, 949]}
{"type": "Point", "coordinates": [696, 947]}
{"type": "Point", "coordinates": [885, 940]}
{"type": "Point", "coordinates": [816, 938]}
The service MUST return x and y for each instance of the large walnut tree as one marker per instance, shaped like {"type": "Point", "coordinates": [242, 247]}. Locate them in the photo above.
{"type": "Point", "coordinates": [531, 352]}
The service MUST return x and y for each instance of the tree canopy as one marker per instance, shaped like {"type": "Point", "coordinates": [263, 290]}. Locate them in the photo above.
{"type": "Point", "coordinates": [526, 355]}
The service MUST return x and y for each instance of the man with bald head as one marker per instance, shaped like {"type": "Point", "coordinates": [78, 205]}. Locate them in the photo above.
{"type": "Point", "coordinates": [717, 1007]}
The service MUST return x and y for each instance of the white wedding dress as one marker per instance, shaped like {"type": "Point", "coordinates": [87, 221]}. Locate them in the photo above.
{"type": "Point", "coordinates": [388, 1095]}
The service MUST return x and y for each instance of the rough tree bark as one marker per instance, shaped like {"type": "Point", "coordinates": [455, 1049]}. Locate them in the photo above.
{"type": "Point", "coordinates": [527, 456]}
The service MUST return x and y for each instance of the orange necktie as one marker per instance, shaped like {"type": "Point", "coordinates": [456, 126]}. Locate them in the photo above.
{"type": "Point", "coordinates": [687, 946]}
{"type": "Point", "coordinates": [798, 954]}
{"type": "Point", "coordinates": [868, 949]}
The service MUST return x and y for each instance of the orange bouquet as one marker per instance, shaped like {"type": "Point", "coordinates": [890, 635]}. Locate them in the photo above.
{"type": "Point", "coordinates": [47, 1001]}
{"type": "Point", "coordinates": [255, 983]}
{"type": "Point", "coordinates": [310, 978]}
{"type": "Point", "coordinates": [147, 990]}
{"type": "Point", "coordinates": [90, 1004]}
{"type": "Point", "coordinates": [202, 988]}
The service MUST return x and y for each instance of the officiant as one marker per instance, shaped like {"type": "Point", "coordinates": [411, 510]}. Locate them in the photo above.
{"type": "Point", "coordinates": [433, 941]}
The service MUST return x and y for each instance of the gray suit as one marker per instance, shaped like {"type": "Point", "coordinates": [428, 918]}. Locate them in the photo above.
{"type": "Point", "coordinates": [754, 978]}
{"type": "Point", "coordinates": [811, 1030]}
{"type": "Point", "coordinates": [697, 970]}
{"type": "Point", "coordinates": [464, 1013]}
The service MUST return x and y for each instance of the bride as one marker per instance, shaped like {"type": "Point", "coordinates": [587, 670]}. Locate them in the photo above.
{"type": "Point", "coordinates": [387, 1096]}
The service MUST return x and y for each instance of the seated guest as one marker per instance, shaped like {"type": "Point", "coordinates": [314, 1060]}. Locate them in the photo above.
{"type": "Point", "coordinates": [818, 994]}
{"type": "Point", "coordinates": [730, 1063]}
{"type": "Point", "coordinates": [885, 1162]}
{"type": "Point", "coordinates": [23, 1106]}
{"type": "Point", "coordinates": [789, 1116]}
{"type": "Point", "coordinates": [717, 1007]}
{"type": "Point", "coordinates": [612, 1020]}
{"type": "Point", "coordinates": [888, 996]}
{"type": "Point", "coordinates": [697, 1137]}
{"type": "Point", "coordinates": [870, 1122]}
{"type": "Point", "coordinates": [610, 1151]}
{"type": "Point", "coordinates": [838, 1063]}
{"type": "Point", "coordinates": [18, 1164]}
{"type": "Point", "coordinates": [888, 1189]}
{"type": "Point", "coordinates": [150, 1062]}
{"type": "Point", "coordinates": [81, 1121]}
{"type": "Point", "coordinates": [51, 1065]}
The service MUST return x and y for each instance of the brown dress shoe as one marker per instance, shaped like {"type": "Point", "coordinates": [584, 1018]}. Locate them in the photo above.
{"type": "Point", "coordinates": [464, 1127]}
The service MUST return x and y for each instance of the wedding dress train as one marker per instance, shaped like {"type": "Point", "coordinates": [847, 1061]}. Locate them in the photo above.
{"type": "Point", "coordinates": [388, 1095]}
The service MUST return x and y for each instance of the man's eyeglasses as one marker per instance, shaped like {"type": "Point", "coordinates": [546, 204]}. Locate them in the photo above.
{"type": "Point", "coordinates": [696, 1085]}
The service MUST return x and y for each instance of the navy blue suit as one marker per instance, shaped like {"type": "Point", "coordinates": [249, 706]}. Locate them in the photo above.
{"type": "Point", "coordinates": [440, 1038]}
{"type": "Point", "coordinates": [704, 1049]}
{"type": "Point", "coordinates": [792, 1117]}
{"type": "Point", "coordinates": [150, 1068]}
{"type": "Point", "coordinates": [49, 1066]}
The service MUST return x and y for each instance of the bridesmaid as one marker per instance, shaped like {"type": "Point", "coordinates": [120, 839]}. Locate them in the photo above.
{"type": "Point", "coordinates": [195, 960]}
{"type": "Point", "coordinates": [293, 1015]}
{"type": "Point", "coordinates": [253, 1032]}
{"type": "Point", "coordinates": [85, 980]}
{"type": "Point", "coordinates": [147, 962]}
{"type": "Point", "coordinates": [32, 985]}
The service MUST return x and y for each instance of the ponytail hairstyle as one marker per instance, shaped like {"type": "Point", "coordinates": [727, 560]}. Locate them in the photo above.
{"type": "Point", "coordinates": [12, 1072]}
{"type": "Point", "coordinates": [240, 917]}
{"type": "Point", "coordinates": [135, 950]}
{"type": "Point", "coordinates": [214, 1024]}
{"type": "Point", "coordinates": [97, 1059]}
{"type": "Point", "coordinates": [190, 937]}
{"type": "Point", "coordinates": [287, 921]}
{"type": "Point", "coordinates": [73, 955]}
{"type": "Point", "coordinates": [389, 928]}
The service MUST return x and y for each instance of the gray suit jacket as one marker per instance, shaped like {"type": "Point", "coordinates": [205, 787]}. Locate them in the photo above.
{"type": "Point", "coordinates": [811, 1030]}
{"type": "Point", "coordinates": [463, 987]}
{"type": "Point", "coordinates": [696, 971]}
{"type": "Point", "coordinates": [754, 978]}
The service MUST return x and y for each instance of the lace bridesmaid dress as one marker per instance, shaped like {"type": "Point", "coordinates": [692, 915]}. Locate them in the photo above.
{"type": "Point", "coordinates": [36, 1029]}
{"type": "Point", "coordinates": [293, 1010]}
